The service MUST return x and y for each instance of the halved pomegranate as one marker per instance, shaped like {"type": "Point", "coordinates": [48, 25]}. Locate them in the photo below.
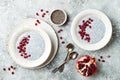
{"type": "Point", "coordinates": [86, 65]}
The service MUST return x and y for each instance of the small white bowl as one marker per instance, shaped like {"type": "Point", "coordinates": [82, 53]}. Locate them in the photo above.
{"type": "Point", "coordinates": [103, 18]}
{"type": "Point", "coordinates": [64, 19]}
{"type": "Point", "coordinates": [24, 62]}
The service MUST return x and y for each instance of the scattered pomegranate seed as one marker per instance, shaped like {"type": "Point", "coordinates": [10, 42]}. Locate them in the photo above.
{"type": "Point", "coordinates": [37, 14]}
{"type": "Point", "coordinates": [108, 56]}
{"type": "Point", "coordinates": [12, 73]}
{"type": "Point", "coordinates": [47, 11]}
{"type": "Point", "coordinates": [61, 37]}
{"type": "Point", "coordinates": [9, 69]}
{"type": "Point", "coordinates": [99, 60]}
{"type": "Point", "coordinates": [101, 57]}
{"type": "Point", "coordinates": [38, 21]}
{"type": "Point", "coordinates": [11, 66]}
{"type": "Point", "coordinates": [4, 69]}
{"type": "Point", "coordinates": [41, 10]}
{"type": "Point", "coordinates": [14, 68]}
{"type": "Point", "coordinates": [63, 42]}
{"type": "Point", "coordinates": [35, 24]}
{"type": "Point", "coordinates": [60, 30]}
{"type": "Point", "coordinates": [103, 60]}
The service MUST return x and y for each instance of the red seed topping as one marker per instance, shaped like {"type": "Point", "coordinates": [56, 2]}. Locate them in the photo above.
{"type": "Point", "coordinates": [44, 14]}
{"type": "Point", "coordinates": [22, 46]}
{"type": "Point", "coordinates": [29, 55]}
{"type": "Point", "coordinates": [82, 30]}
{"type": "Point", "coordinates": [28, 36]}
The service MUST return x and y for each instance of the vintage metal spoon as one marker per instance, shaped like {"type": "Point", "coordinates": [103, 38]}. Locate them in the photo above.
{"type": "Point", "coordinates": [71, 56]}
{"type": "Point", "coordinates": [69, 48]}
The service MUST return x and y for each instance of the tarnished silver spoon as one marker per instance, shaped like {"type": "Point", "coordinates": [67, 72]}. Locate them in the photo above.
{"type": "Point", "coordinates": [71, 56]}
{"type": "Point", "coordinates": [69, 48]}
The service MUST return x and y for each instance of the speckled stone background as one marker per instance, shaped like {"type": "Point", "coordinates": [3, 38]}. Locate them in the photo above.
{"type": "Point", "coordinates": [12, 11]}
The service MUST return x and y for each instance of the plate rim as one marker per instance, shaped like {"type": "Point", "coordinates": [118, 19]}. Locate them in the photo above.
{"type": "Point", "coordinates": [33, 63]}
{"type": "Point", "coordinates": [108, 33]}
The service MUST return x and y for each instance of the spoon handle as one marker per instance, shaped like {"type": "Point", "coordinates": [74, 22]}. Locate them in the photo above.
{"type": "Point", "coordinates": [65, 60]}
{"type": "Point", "coordinates": [57, 68]}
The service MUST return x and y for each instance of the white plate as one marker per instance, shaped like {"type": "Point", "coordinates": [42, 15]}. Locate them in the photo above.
{"type": "Point", "coordinates": [102, 17]}
{"type": "Point", "coordinates": [51, 33]}
{"type": "Point", "coordinates": [15, 55]}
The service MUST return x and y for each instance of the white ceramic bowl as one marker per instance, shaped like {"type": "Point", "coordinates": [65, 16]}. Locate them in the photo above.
{"type": "Point", "coordinates": [108, 32]}
{"type": "Point", "coordinates": [24, 62]}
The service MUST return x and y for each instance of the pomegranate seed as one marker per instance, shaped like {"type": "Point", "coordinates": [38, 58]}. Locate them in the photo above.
{"type": "Point", "coordinates": [25, 57]}
{"type": "Point", "coordinates": [61, 30]}
{"type": "Point", "coordinates": [47, 11]}
{"type": "Point", "coordinates": [61, 37]}
{"type": "Point", "coordinates": [41, 10]}
{"type": "Point", "coordinates": [11, 66]}
{"type": "Point", "coordinates": [44, 14]}
{"type": "Point", "coordinates": [63, 42]}
{"type": "Point", "coordinates": [37, 14]}
{"type": "Point", "coordinates": [35, 24]}
{"type": "Point", "coordinates": [28, 36]}
{"type": "Point", "coordinates": [21, 54]}
{"type": "Point", "coordinates": [22, 46]}
{"type": "Point", "coordinates": [83, 27]}
{"type": "Point", "coordinates": [9, 69]}
{"type": "Point", "coordinates": [12, 73]}
{"type": "Point", "coordinates": [38, 21]}
{"type": "Point", "coordinates": [108, 56]}
{"type": "Point", "coordinates": [58, 31]}
{"type": "Point", "coordinates": [29, 55]}
{"type": "Point", "coordinates": [103, 60]}
{"type": "Point", "coordinates": [99, 60]}
{"type": "Point", "coordinates": [101, 57]}
{"type": "Point", "coordinates": [4, 69]}
{"type": "Point", "coordinates": [14, 68]}
{"type": "Point", "coordinates": [83, 21]}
